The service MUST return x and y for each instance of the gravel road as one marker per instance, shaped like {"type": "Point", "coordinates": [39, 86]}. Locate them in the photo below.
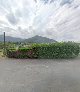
{"type": "Point", "coordinates": [32, 75]}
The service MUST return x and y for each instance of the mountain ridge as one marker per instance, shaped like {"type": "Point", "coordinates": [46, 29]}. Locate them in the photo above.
{"type": "Point", "coordinates": [34, 39]}
{"type": "Point", "coordinates": [39, 39]}
{"type": "Point", "coordinates": [10, 39]}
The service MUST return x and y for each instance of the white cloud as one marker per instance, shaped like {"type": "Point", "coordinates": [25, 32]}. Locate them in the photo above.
{"type": "Point", "coordinates": [57, 19]}
{"type": "Point", "coordinates": [66, 22]}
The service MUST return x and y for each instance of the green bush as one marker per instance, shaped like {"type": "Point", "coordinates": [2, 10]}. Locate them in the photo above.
{"type": "Point", "coordinates": [20, 53]}
{"type": "Point", "coordinates": [46, 51]}
{"type": "Point", "coordinates": [56, 50]}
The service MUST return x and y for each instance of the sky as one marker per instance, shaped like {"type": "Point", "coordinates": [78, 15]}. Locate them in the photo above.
{"type": "Point", "coordinates": [55, 19]}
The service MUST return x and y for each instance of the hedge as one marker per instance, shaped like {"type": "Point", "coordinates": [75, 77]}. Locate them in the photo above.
{"type": "Point", "coordinates": [20, 53]}
{"type": "Point", "coordinates": [57, 50]}
{"type": "Point", "coordinates": [46, 51]}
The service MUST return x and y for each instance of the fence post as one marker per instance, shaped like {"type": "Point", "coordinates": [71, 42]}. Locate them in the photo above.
{"type": "Point", "coordinates": [4, 45]}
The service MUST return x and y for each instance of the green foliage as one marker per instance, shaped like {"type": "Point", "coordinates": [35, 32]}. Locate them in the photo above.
{"type": "Point", "coordinates": [20, 53]}
{"type": "Point", "coordinates": [46, 51]}
{"type": "Point", "coordinates": [8, 45]}
{"type": "Point", "coordinates": [24, 49]}
{"type": "Point", "coordinates": [57, 50]}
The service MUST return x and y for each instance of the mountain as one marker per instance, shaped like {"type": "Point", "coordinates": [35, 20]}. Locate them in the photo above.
{"type": "Point", "coordinates": [39, 39]}
{"type": "Point", "coordinates": [35, 39]}
{"type": "Point", "coordinates": [10, 39]}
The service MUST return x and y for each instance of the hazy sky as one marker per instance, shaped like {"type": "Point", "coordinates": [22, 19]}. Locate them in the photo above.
{"type": "Point", "coordinates": [57, 19]}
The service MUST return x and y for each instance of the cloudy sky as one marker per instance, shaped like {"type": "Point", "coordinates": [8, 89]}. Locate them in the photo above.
{"type": "Point", "coordinates": [56, 19]}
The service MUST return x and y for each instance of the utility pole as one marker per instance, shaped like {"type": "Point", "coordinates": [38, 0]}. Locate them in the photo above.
{"type": "Point", "coordinates": [4, 44]}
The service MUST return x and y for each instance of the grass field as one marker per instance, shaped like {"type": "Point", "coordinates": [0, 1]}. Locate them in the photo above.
{"type": "Point", "coordinates": [1, 53]}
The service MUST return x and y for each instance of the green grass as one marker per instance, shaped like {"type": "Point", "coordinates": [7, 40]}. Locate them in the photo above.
{"type": "Point", "coordinates": [1, 53]}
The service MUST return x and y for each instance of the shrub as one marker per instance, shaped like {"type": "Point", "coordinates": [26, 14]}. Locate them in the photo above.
{"type": "Point", "coordinates": [20, 53]}
{"type": "Point", "coordinates": [46, 51]}
{"type": "Point", "coordinates": [57, 50]}
{"type": "Point", "coordinates": [10, 53]}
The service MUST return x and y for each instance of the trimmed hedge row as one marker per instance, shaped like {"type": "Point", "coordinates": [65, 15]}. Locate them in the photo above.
{"type": "Point", "coordinates": [20, 53]}
{"type": "Point", "coordinates": [58, 50]}
{"type": "Point", "coordinates": [46, 51]}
